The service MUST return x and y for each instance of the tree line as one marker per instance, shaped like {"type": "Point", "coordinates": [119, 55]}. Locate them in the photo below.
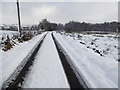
{"type": "Point", "coordinates": [74, 26]}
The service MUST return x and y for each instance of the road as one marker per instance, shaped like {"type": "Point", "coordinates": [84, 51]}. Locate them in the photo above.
{"type": "Point", "coordinates": [47, 70]}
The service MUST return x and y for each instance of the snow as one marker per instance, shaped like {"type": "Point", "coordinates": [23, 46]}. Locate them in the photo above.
{"type": "Point", "coordinates": [8, 32]}
{"type": "Point", "coordinates": [0, 67]}
{"type": "Point", "coordinates": [13, 35]}
{"type": "Point", "coordinates": [47, 70]}
{"type": "Point", "coordinates": [97, 71]}
{"type": "Point", "coordinates": [4, 33]}
{"type": "Point", "coordinates": [107, 44]}
{"type": "Point", "coordinates": [12, 58]}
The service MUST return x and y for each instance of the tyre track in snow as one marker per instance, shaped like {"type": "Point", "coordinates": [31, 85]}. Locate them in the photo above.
{"type": "Point", "coordinates": [71, 75]}
{"type": "Point", "coordinates": [17, 78]}
{"type": "Point", "coordinates": [47, 70]}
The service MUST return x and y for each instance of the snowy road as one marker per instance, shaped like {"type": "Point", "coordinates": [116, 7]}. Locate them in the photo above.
{"type": "Point", "coordinates": [47, 70]}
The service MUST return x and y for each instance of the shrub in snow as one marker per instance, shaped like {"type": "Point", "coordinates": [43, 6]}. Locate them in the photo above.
{"type": "Point", "coordinates": [25, 36]}
{"type": "Point", "coordinates": [7, 44]}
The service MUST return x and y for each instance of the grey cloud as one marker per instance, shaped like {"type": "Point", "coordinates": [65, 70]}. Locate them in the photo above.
{"type": "Point", "coordinates": [65, 11]}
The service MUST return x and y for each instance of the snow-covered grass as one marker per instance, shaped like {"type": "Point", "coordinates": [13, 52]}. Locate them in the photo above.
{"type": "Point", "coordinates": [105, 45]}
{"type": "Point", "coordinates": [12, 58]}
{"type": "Point", "coordinates": [97, 71]}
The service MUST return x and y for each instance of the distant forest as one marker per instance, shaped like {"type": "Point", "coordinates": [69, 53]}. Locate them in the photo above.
{"type": "Point", "coordinates": [74, 26]}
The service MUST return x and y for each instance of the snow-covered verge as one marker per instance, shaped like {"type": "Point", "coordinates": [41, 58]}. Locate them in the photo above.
{"type": "Point", "coordinates": [12, 58]}
{"type": "Point", "coordinates": [47, 70]}
{"type": "Point", "coordinates": [105, 45]}
{"type": "Point", "coordinates": [97, 71]}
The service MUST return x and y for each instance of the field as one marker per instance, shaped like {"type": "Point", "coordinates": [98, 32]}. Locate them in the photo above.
{"type": "Point", "coordinates": [106, 45]}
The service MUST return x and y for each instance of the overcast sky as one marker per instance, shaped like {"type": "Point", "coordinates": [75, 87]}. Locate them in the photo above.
{"type": "Point", "coordinates": [60, 12]}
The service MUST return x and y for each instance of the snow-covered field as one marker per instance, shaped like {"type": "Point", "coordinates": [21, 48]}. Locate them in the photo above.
{"type": "Point", "coordinates": [105, 45]}
{"type": "Point", "coordinates": [94, 56]}
{"type": "Point", "coordinates": [97, 71]}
